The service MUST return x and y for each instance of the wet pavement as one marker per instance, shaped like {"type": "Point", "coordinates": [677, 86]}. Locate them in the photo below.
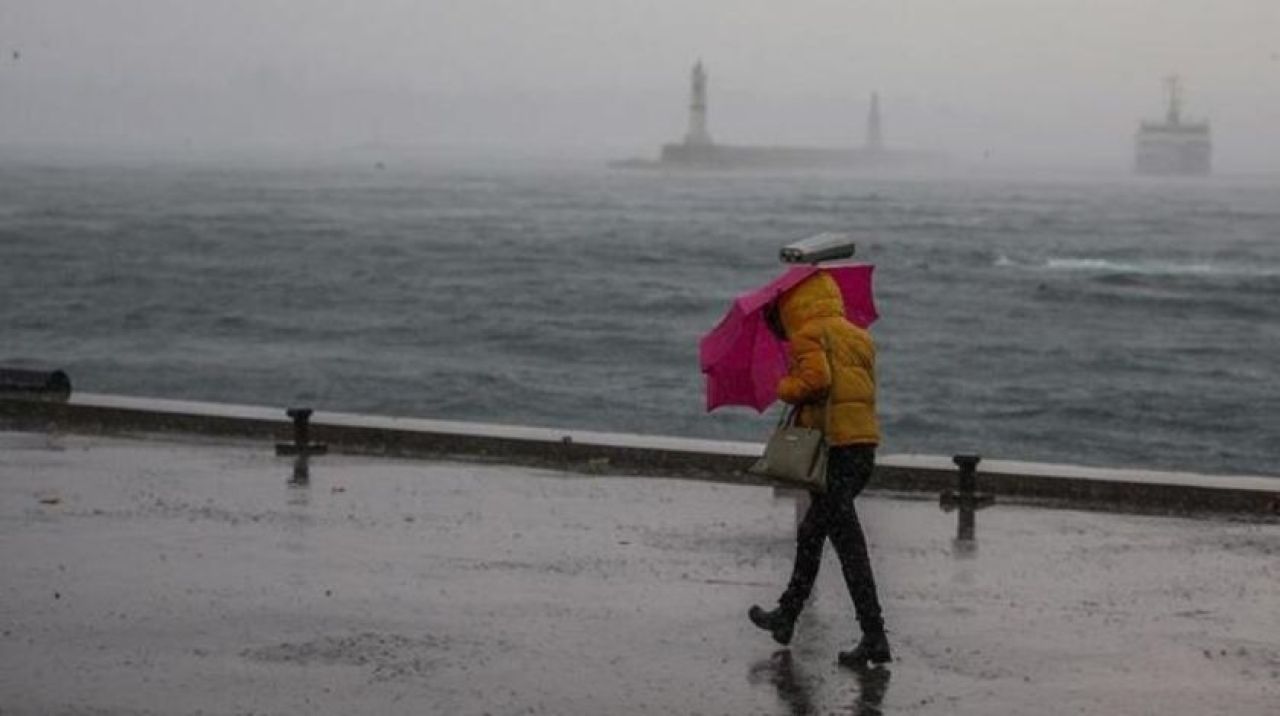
{"type": "Point", "coordinates": [189, 577]}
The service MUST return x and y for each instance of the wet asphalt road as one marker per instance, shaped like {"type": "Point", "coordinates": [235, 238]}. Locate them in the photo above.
{"type": "Point", "coordinates": [181, 578]}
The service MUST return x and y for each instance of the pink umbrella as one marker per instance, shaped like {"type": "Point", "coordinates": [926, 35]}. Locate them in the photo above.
{"type": "Point", "coordinates": [742, 359]}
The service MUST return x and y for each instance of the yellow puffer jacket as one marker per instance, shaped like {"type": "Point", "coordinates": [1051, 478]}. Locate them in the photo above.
{"type": "Point", "coordinates": [812, 313]}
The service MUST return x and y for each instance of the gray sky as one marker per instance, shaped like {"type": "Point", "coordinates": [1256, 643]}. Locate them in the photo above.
{"type": "Point", "coordinates": [1039, 81]}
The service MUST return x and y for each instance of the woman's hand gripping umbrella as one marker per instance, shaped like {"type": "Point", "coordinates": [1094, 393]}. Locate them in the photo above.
{"type": "Point", "coordinates": [743, 360]}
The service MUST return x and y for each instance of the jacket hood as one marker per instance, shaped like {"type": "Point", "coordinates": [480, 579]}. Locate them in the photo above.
{"type": "Point", "coordinates": [815, 297]}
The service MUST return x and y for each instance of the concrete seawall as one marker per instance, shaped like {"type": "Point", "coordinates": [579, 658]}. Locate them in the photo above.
{"type": "Point", "coordinates": [615, 453]}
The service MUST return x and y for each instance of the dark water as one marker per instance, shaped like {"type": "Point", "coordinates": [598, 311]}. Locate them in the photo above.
{"type": "Point", "coordinates": [1113, 322]}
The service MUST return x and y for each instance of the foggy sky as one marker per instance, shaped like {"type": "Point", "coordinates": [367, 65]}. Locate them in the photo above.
{"type": "Point", "coordinates": [1016, 81]}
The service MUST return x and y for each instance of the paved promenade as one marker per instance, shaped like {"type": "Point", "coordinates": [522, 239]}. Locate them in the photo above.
{"type": "Point", "coordinates": [187, 577]}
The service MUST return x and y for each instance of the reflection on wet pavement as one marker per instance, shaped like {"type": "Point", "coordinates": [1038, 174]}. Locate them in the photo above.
{"type": "Point", "coordinates": [157, 577]}
{"type": "Point", "coordinates": [779, 671]}
{"type": "Point", "coordinates": [801, 693]}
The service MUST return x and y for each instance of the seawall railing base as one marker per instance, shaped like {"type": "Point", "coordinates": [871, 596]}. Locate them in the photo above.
{"type": "Point", "coordinates": [1139, 491]}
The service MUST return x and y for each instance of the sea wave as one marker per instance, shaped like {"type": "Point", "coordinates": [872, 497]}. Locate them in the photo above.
{"type": "Point", "coordinates": [1110, 266]}
{"type": "Point", "coordinates": [1141, 267]}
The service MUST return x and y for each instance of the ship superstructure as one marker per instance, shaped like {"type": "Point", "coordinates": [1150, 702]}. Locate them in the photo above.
{"type": "Point", "coordinates": [1174, 146]}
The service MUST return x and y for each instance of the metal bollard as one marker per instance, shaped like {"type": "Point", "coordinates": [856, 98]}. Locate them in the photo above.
{"type": "Point", "coordinates": [968, 464]}
{"type": "Point", "coordinates": [966, 498]}
{"type": "Point", "coordinates": [301, 444]}
{"type": "Point", "coordinates": [301, 447]}
{"type": "Point", "coordinates": [301, 471]}
{"type": "Point", "coordinates": [34, 384]}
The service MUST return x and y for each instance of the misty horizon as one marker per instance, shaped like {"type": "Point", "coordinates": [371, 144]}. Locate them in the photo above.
{"type": "Point", "coordinates": [984, 82]}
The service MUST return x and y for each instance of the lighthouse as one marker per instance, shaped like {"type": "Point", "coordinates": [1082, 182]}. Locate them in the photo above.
{"type": "Point", "coordinates": [697, 134]}
{"type": "Point", "coordinates": [875, 139]}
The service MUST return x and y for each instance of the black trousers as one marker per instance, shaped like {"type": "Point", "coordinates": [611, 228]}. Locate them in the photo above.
{"type": "Point", "coordinates": [832, 515]}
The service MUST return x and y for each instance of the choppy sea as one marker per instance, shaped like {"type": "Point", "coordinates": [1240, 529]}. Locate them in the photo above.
{"type": "Point", "coordinates": [1101, 321]}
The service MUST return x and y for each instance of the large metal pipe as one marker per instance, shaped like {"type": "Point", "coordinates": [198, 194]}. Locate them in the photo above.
{"type": "Point", "coordinates": [34, 383]}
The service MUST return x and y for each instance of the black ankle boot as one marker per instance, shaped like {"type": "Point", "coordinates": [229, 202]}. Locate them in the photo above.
{"type": "Point", "coordinates": [779, 622]}
{"type": "Point", "coordinates": [872, 648]}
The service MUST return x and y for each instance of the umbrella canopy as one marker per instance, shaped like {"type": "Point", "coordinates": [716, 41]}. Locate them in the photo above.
{"type": "Point", "coordinates": [743, 361]}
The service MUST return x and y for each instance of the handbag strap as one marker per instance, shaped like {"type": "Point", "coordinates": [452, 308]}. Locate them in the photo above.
{"type": "Point", "coordinates": [831, 386]}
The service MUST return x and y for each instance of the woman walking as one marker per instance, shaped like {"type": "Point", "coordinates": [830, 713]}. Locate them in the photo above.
{"type": "Point", "coordinates": [832, 362]}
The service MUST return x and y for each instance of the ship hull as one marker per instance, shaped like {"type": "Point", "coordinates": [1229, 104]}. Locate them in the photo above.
{"type": "Point", "coordinates": [1165, 152]}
